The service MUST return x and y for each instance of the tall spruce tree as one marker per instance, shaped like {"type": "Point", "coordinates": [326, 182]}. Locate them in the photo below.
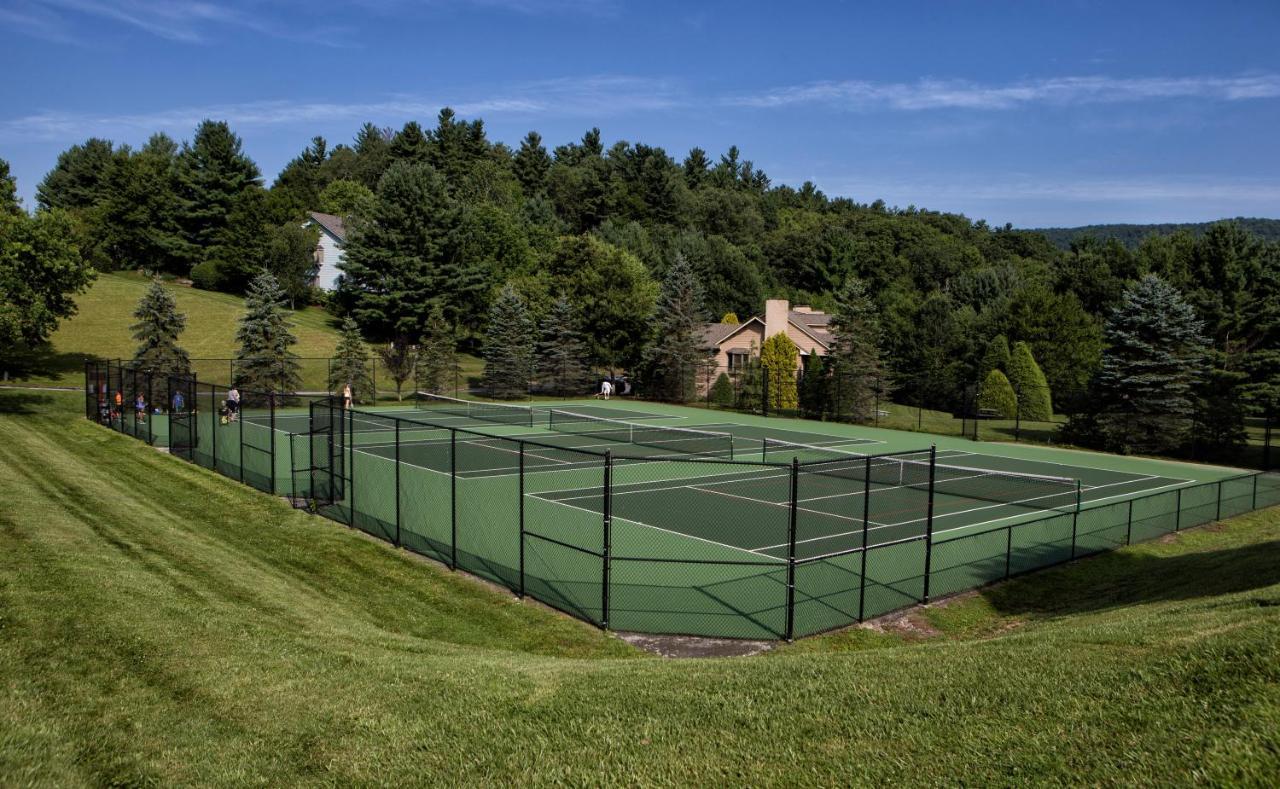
{"type": "Point", "coordinates": [159, 324]}
{"type": "Point", "coordinates": [531, 164]}
{"type": "Point", "coordinates": [859, 377]}
{"type": "Point", "coordinates": [1154, 357]}
{"type": "Point", "coordinates": [212, 176]}
{"type": "Point", "coordinates": [351, 365]}
{"type": "Point", "coordinates": [562, 353]}
{"type": "Point", "coordinates": [264, 361]}
{"type": "Point", "coordinates": [508, 346]}
{"type": "Point", "coordinates": [438, 354]}
{"type": "Point", "coordinates": [673, 358]}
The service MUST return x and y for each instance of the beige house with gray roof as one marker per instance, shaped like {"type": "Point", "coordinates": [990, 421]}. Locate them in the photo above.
{"type": "Point", "coordinates": [731, 344]}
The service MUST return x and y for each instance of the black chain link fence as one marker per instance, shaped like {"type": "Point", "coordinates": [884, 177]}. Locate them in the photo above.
{"type": "Point", "coordinates": [629, 540]}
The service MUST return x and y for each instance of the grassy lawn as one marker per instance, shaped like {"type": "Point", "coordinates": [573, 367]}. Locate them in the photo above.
{"type": "Point", "coordinates": [101, 328]}
{"type": "Point", "coordinates": [161, 624]}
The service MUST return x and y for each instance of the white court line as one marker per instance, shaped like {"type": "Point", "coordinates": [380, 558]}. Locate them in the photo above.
{"type": "Point", "coordinates": [659, 528]}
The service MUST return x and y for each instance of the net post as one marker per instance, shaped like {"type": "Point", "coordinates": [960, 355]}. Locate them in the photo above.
{"type": "Point", "coordinates": [1177, 513]}
{"type": "Point", "coordinates": [1075, 519]}
{"type": "Point", "coordinates": [731, 446]}
{"type": "Point", "coordinates": [928, 533]}
{"type": "Point", "coordinates": [520, 591]}
{"type": "Point", "coordinates": [607, 541]}
{"type": "Point", "coordinates": [866, 523]}
{"type": "Point", "coordinates": [453, 499]}
{"type": "Point", "coordinates": [397, 423]}
{"type": "Point", "coordinates": [791, 550]}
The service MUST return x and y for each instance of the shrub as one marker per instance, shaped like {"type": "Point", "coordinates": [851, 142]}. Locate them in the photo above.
{"type": "Point", "coordinates": [997, 395]}
{"type": "Point", "coordinates": [205, 275]}
{"type": "Point", "coordinates": [1029, 385]}
{"type": "Point", "coordinates": [722, 391]}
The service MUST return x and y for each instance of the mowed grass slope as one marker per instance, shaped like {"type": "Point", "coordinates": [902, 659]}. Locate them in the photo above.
{"type": "Point", "coordinates": [159, 624]}
{"type": "Point", "coordinates": [100, 328]}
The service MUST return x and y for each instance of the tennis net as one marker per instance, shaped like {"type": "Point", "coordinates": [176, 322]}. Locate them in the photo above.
{"type": "Point", "coordinates": [486, 412]}
{"type": "Point", "coordinates": [911, 470]}
{"type": "Point", "coordinates": [681, 440]}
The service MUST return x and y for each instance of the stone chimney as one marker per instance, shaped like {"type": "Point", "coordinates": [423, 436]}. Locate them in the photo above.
{"type": "Point", "coordinates": [775, 317]}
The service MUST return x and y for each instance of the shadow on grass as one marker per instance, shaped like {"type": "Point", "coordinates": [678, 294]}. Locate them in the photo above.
{"type": "Point", "coordinates": [1126, 578]}
{"type": "Point", "coordinates": [42, 362]}
{"type": "Point", "coordinates": [13, 401]}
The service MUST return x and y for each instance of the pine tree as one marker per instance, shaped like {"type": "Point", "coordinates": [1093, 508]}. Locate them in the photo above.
{"type": "Point", "coordinates": [1154, 357]}
{"type": "Point", "coordinates": [350, 365]}
{"type": "Point", "coordinates": [508, 347]}
{"type": "Point", "coordinates": [159, 324]}
{"type": "Point", "coordinates": [531, 164]}
{"type": "Point", "coordinates": [264, 361]}
{"type": "Point", "coordinates": [859, 379]}
{"type": "Point", "coordinates": [438, 355]}
{"type": "Point", "coordinates": [672, 358]}
{"type": "Point", "coordinates": [1035, 403]}
{"type": "Point", "coordinates": [722, 393]}
{"type": "Point", "coordinates": [212, 174]}
{"type": "Point", "coordinates": [562, 353]}
{"type": "Point", "coordinates": [778, 358]}
{"type": "Point", "coordinates": [996, 395]}
{"type": "Point", "coordinates": [996, 357]}
{"type": "Point", "coordinates": [10, 204]}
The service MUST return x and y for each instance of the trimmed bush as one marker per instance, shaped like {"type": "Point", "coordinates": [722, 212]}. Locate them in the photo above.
{"type": "Point", "coordinates": [778, 358]}
{"type": "Point", "coordinates": [722, 391]}
{"type": "Point", "coordinates": [1029, 385]}
{"type": "Point", "coordinates": [997, 395]}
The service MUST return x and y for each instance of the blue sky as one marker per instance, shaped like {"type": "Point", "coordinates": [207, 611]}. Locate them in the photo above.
{"type": "Point", "coordinates": [1034, 113]}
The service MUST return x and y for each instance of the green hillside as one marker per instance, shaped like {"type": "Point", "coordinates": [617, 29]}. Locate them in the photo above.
{"type": "Point", "coordinates": [1132, 235]}
{"type": "Point", "coordinates": [160, 624]}
{"type": "Point", "coordinates": [100, 328]}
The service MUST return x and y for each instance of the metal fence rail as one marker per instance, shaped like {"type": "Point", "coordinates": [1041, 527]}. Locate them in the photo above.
{"type": "Point", "coordinates": [632, 542]}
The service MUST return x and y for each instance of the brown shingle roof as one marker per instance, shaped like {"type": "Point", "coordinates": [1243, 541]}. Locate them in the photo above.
{"type": "Point", "coordinates": [333, 224]}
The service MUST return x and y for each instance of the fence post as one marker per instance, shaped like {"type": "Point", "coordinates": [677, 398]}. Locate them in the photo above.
{"type": "Point", "coordinates": [608, 538]}
{"type": "Point", "coordinates": [1218, 514]}
{"type": "Point", "coordinates": [216, 421]}
{"type": "Point", "coordinates": [1017, 418]}
{"type": "Point", "coordinates": [791, 549]}
{"type": "Point", "coordinates": [1128, 530]}
{"type": "Point", "coordinates": [520, 592]}
{"type": "Point", "coordinates": [271, 414]}
{"type": "Point", "coordinates": [1008, 551]}
{"type": "Point", "coordinates": [1254, 504]}
{"type": "Point", "coordinates": [928, 533]}
{"type": "Point", "coordinates": [397, 422]}
{"type": "Point", "coordinates": [866, 522]}
{"type": "Point", "coordinates": [1266, 441]}
{"type": "Point", "coordinates": [1177, 514]}
{"type": "Point", "coordinates": [453, 499]}
{"type": "Point", "coordinates": [240, 422]}
{"type": "Point", "coordinates": [1075, 520]}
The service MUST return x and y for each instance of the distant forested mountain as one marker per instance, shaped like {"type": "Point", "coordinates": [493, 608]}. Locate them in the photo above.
{"type": "Point", "coordinates": [1132, 235]}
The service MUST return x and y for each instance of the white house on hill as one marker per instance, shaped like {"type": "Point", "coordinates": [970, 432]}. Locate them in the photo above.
{"type": "Point", "coordinates": [333, 235]}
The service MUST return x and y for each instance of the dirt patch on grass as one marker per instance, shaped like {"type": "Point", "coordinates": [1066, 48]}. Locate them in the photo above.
{"type": "Point", "coordinates": [695, 646]}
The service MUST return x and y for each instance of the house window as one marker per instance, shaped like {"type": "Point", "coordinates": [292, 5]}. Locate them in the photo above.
{"type": "Point", "coordinates": [737, 360]}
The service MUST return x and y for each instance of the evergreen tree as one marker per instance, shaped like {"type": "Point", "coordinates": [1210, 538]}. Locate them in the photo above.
{"type": "Point", "coordinates": [815, 388]}
{"type": "Point", "coordinates": [508, 346]}
{"type": "Point", "coordinates": [10, 204]}
{"type": "Point", "coordinates": [438, 355]}
{"type": "Point", "coordinates": [410, 145]}
{"type": "Point", "coordinates": [1154, 357]}
{"type": "Point", "coordinates": [562, 353]}
{"type": "Point", "coordinates": [1035, 403]}
{"type": "Point", "coordinates": [859, 378]}
{"type": "Point", "coordinates": [373, 154]}
{"type": "Point", "coordinates": [673, 356]}
{"type": "Point", "coordinates": [996, 395]}
{"type": "Point", "coordinates": [613, 293]}
{"type": "Point", "coordinates": [696, 166]}
{"type": "Point", "coordinates": [79, 179]}
{"type": "Point", "coordinates": [212, 175]}
{"type": "Point", "coordinates": [996, 357]}
{"type": "Point", "coordinates": [751, 382]}
{"type": "Point", "coordinates": [159, 324]}
{"type": "Point", "coordinates": [264, 361]}
{"type": "Point", "coordinates": [778, 357]}
{"type": "Point", "coordinates": [139, 214]}
{"type": "Point", "coordinates": [350, 365]}
{"type": "Point", "coordinates": [722, 393]}
{"type": "Point", "coordinates": [531, 164]}
{"type": "Point", "coordinates": [401, 260]}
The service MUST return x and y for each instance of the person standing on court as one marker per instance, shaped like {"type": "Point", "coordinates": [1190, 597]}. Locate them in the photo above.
{"type": "Point", "coordinates": [346, 396]}
{"type": "Point", "coordinates": [233, 404]}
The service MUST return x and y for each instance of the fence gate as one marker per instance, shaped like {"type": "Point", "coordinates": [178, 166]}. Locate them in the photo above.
{"type": "Point", "coordinates": [182, 422]}
{"type": "Point", "coordinates": [325, 439]}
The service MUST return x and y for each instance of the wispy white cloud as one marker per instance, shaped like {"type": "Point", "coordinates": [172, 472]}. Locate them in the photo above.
{"type": "Point", "coordinates": [598, 96]}
{"type": "Point", "coordinates": [932, 94]}
{"type": "Point", "coordinates": [183, 21]}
